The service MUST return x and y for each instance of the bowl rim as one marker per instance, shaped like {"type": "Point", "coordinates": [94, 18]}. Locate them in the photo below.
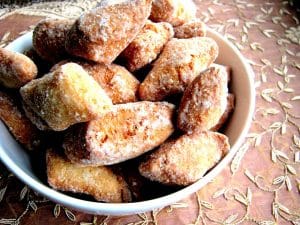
{"type": "Point", "coordinates": [142, 206]}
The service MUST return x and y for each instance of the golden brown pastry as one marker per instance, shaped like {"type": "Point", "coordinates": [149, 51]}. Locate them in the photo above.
{"type": "Point", "coordinates": [100, 182]}
{"type": "Point", "coordinates": [49, 38]}
{"type": "Point", "coordinates": [16, 69]}
{"type": "Point", "coordinates": [179, 63]}
{"type": "Point", "coordinates": [176, 12]}
{"type": "Point", "coordinates": [193, 28]}
{"type": "Point", "coordinates": [119, 84]}
{"type": "Point", "coordinates": [185, 160]}
{"type": "Point", "coordinates": [35, 118]}
{"type": "Point", "coordinates": [204, 101]}
{"type": "Point", "coordinates": [126, 132]}
{"type": "Point", "coordinates": [147, 45]}
{"type": "Point", "coordinates": [18, 124]}
{"type": "Point", "coordinates": [103, 33]}
{"type": "Point", "coordinates": [226, 114]}
{"type": "Point", "coordinates": [226, 68]}
{"type": "Point", "coordinates": [65, 97]}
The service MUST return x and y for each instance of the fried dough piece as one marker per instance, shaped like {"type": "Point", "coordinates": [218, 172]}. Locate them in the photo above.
{"type": "Point", "coordinates": [185, 160]}
{"type": "Point", "coordinates": [119, 84]}
{"type": "Point", "coordinates": [175, 12]}
{"type": "Point", "coordinates": [226, 68]}
{"type": "Point", "coordinates": [147, 45]}
{"type": "Point", "coordinates": [16, 69]}
{"type": "Point", "coordinates": [65, 97]}
{"type": "Point", "coordinates": [193, 28]}
{"type": "Point", "coordinates": [103, 33]}
{"type": "Point", "coordinates": [18, 124]}
{"type": "Point", "coordinates": [226, 114]}
{"type": "Point", "coordinates": [35, 118]}
{"type": "Point", "coordinates": [179, 63]}
{"type": "Point", "coordinates": [126, 132]}
{"type": "Point", "coordinates": [49, 38]}
{"type": "Point", "coordinates": [204, 101]}
{"type": "Point", "coordinates": [100, 182]}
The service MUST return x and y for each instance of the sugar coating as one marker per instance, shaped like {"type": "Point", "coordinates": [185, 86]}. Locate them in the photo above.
{"type": "Point", "coordinates": [193, 28]}
{"type": "Point", "coordinates": [103, 33]}
{"type": "Point", "coordinates": [133, 129]}
{"type": "Point", "coordinates": [66, 96]}
{"type": "Point", "coordinates": [177, 66]}
{"type": "Point", "coordinates": [119, 84]}
{"type": "Point", "coordinates": [147, 44]}
{"type": "Point", "coordinates": [16, 69]}
{"type": "Point", "coordinates": [176, 12]}
{"type": "Point", "coordinates": [49, 38]}
{"type": "Point", "coordinates": [18, 124]}
{"type": "Point", "coordinates": [100, 182]}
{"type": "Point", "coordinates": [185, 160]}
{"type": "Point", "coordinates": [204, 101]}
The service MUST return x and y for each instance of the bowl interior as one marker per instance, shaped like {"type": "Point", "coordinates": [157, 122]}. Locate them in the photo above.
{"type": "Point", "coordinates": [18, 160]}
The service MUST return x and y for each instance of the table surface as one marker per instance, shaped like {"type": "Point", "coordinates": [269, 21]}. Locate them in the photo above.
{"type": "Point", "coordinates": [266, 168]}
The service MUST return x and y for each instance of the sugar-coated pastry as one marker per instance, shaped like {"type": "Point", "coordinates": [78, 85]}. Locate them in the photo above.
{"type": "Point", "coordinates": [179, 63]}
{"type": "Point", "coordinates": [66, 96]}
{"type": "Point", "coordinates": [226, 114]}
{"type": "Point", "coordinates": [35, 118]}
{"type": "Point", "coordinates": [125, 132]}
{"type": "Point", "coordinates": [16, 69]}
{"type": "Point", "coordinates": [204, 101]}
{"type": "Point", "coordinates": [119, 84]}
{"type": "Point", "coordinates": [103, 33]}
{"type": "Point", "coordinates": [147, 45]}
{"type": "Point", "coordinates": [226, 68]}
{"type": "Point", "coordinates": [185, 160]}
{"type": "Point", "coordinates": [176, 12]}
{"type": "Point", "coordinates": [49, 37]}
{"type": "Point", "coordinates": [193, 28]}
{"type": "Point", "coordinates": [100, 182]}
{"type": "Point", "coordinates": [18, 124]}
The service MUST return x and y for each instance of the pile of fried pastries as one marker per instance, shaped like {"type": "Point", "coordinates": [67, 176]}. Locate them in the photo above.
{"type": "Point", "coordinates": [129, 81]}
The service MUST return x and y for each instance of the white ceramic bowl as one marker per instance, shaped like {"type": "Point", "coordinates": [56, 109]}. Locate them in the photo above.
{"type": "Point", "coordinates": [18, 161]}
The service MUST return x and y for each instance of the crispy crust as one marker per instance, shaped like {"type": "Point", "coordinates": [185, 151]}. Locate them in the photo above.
{"type": "Point", "coordinates": [103, 33]}
{"type": "Point", "coordinates": [179, 63]}
{"type": "Point", "coordinates": [49, 38]}
{"type": "Point", "coordinates": [128, 131]}
{"type": "Point", "coordinates": [226, 114]}
{"type": "Point", "coordinates": [204, 101]}
{"type": "Point", "coordinates": [186, 159]}
{"type": "Point", "coordinates": [16, 69]}
{"type": "Point", "coordinates": [66, 96]}
{"type": "Point", "coordinates": [119, 84]}
{"type": "Point", "coordinates": [147, 45]}
{"type": "Point", "coordinates": [194, 28]}
{"type": "Point", "coordinates": [176, 12]}
{"type": "Point", "coordinates": [18, 124]}
{"type": "Point", "coordinates": [100, 182]}
{"type": "Point", "coordinates": [34, 118]}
